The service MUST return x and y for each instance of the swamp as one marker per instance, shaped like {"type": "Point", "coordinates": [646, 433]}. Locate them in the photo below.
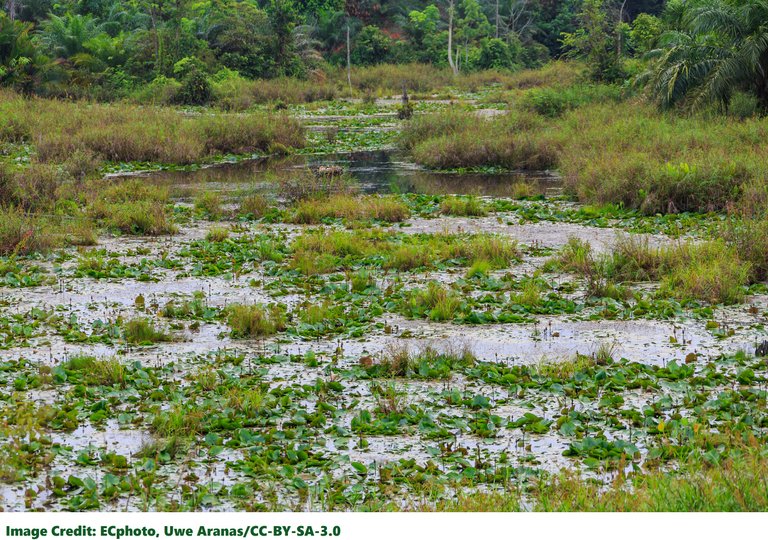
{"type": "Point", "coordinates": [520, 289]}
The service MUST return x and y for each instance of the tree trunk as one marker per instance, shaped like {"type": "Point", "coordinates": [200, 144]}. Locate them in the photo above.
{"type": "Point", "coordinates": [451, 63]}
{"type": "Point", "coordinates": [497, 19]}
{"type": "Point", "coordinates": [762, 82]}
{"type": "Point", "coordinates": [762, 93]}
{"type": "Point", "coordinates": [349, 63]}
{"type": "Point", "coordinates": [12, 9]}
{"type": "Point", "coordinates": [618, 29]}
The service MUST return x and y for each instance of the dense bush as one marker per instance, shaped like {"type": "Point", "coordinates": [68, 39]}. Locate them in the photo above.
{"type": "Point", "coordinates": [195, 89]}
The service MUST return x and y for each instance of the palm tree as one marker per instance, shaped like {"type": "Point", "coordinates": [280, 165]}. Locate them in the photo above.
{"type": "Point", "coordinates": [305, 44]}
{"type": "Point", "coordinates": [20, 61]}
{"type": "Point", "coordinates": [720, 46]}
{"type": "Point", "coordinates": [66, 36]}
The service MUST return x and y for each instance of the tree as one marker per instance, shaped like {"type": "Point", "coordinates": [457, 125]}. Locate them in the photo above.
{"type": "Point", "coordinates": [20, 61]}
{"type": "Point", "coordinates": [372, 46]}
{"type": "Point", "coordinates": [553, 19]}
{"type": "Point", "coordinates": [718, 47]}
{"type": "Point", "coordinates": [66, 36]}
{"type": "Point", "coordinates": [283, 18]}
{"type": "Point", "coordinates": [239, 35]}
{"type": "Point", "coordinates": [28, 10]}
{"type": "Point", "coordinates": [593, 41]}
{"type": "Point", "coordinates": [472, 26]}
{"type": "Point", "coordinates": [422, 24]}
{"type": "Point", "coordinates": [451, 61]}
{"type": "Point", "coordinates": [427, 41]}
{"type": "Point", "coordinates": [645, 33]}
{"type": "Point", "coordinates": [495, 53]}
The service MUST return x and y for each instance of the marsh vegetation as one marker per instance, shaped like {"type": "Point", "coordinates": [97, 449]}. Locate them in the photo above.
{"type": "Point", "coordinates": [544, 289]}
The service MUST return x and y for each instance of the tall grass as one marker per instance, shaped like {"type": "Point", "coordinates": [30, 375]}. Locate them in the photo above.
{"type": "Point", "coordinates": [398, 360]}
{"type": "Point", "coordinates": [389, 79]}
{"type": "Point", "coordinates": [737, 485]}
{"type": "Point", "coordinates": [436, 301]}
{"type": "Point", "coordinates": [143, 331]}
{"type": "Point", "coordinates": [461, 139]}
{"type": "Point", "coordinates": [239, 94]}
{"type": "Point", "coordinates": [252, 320]}
{"type": "Point", "coordinates": [21, 233]}
{"type": "Point", "coordinates": [132, 207]}
{"type": "Point", "coordinates": [380, 208]}
{"type": "Point", "coordinates": [107, 372]}
{"type": "Point", "coordinates": [711, 271]}
{"type": "Point", "coordinates": [123, 132]}
{"type": "Point", "coordinates": [622, 152]}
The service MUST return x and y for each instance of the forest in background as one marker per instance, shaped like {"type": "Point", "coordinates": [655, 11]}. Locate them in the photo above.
{"type": "Point", "coordinates": [693, 53]}
{"type": "Point", "coordinates": [182, 51]}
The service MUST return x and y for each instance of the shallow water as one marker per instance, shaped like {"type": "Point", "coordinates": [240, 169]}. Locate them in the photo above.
{"type": "Point", "coordinates": [549, 339]}
{"type": "Point", "coordinates": [380, 171]}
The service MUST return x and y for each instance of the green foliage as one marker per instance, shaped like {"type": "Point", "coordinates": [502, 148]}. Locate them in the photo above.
{"type": "Point", "coordinates": [20, 61]}
{"type": "Point", "coordinates": [712, 50]}
{"type": "Point", "coordinates": [743, 105]}
{"type": "Point", "coordinates": [142, 331]}
{"type": "Point", "coordinates": [553, 102]}
{"type": "Point", "coordinates": [194, 90]}
{"type": "Point", "coordinates": [372, 46]}
{"type": "Point", "coordinates": [645, 33]}
{"type": "Point", "coordinates": [21, 233]}
{"type": "Point", "coordinates": [496, 54]}
{"type": "Point", "coordinates": [594, 42]}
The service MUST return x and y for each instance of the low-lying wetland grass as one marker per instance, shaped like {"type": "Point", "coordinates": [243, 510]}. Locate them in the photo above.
{"type": "Point", "coordinates": [322, 252]}
{"type": "Point", "coordinates": [617, 151]}
{"type": "Point", "coordinates": [710, 271]}
{"type": "Point", "coordinates": [253, 320]}
{"type": "Point", "coordinates": [126, 133]}
{"type": "Point", "coordinates": [370, 207]}
{"type": "Point", "coordinates": [142, 331]}
{"type": "Point", "coordinates": [735, 485]}
{"type": "Point", "coordinates": [428, 362]}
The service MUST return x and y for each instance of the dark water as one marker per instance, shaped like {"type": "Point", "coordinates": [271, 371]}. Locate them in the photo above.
{"type": "Point", "coordinates": [376, 172]}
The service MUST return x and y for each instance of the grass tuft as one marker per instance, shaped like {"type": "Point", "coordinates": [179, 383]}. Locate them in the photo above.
{"type": "Point", "coordinates": [252, 320]}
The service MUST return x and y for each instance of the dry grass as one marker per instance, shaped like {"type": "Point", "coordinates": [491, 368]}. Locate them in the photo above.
{"type": "Point", "coordinates": [59, 130]}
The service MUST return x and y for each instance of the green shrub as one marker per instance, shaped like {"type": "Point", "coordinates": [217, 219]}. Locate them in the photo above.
{"type": "Point", "coordinates": [710, 271]}
{"type": "Point", "coordinates": [463, 206]}
{"type": "Point", "coordinates": [553, 102]}
{"type": "Point", "coordinates": [195, 89]}
{"type": "Point", "coordinates": [148, 218]}
{"type": "Point", "coordinates": [161, 91]}
{"type": "Point", "coordinates": [435, 302]}
{"type": "Point", "coordinates": [217, 234]}
{"type": "Point", "coordinates": [208, 203]}
{"type": "Point", "coordinates": [352, 208]}
{"type": "Point", "coordinates": [253, 206]}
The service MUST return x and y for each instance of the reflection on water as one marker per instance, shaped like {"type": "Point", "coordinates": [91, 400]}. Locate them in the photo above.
{"type": "Point", "coordinates": [381, 171]}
